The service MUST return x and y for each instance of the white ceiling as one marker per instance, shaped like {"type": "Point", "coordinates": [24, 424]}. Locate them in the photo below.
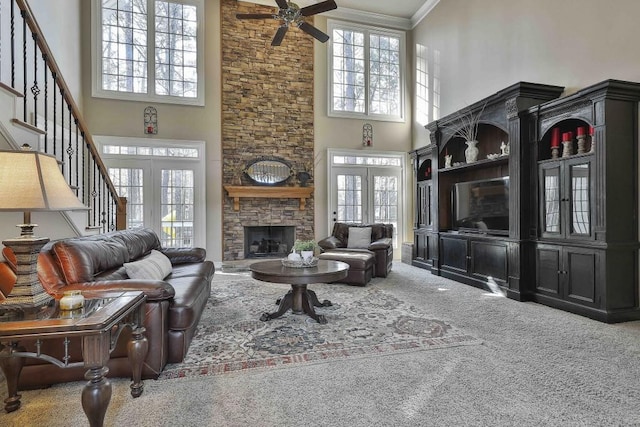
{"type": "Point", "coordinates": [397, 8]}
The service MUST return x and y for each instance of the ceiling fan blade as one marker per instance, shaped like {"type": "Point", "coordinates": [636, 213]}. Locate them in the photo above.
{"type": "Point", "coordinates": [282, 4]}
{"type": "Point", "coordinates": [310, 29]}
{"type": "Point", "coordinates": [255, 15]}
{"type": "Point", "coordinates": [277, 39]}
{"type": "Point", "coordinates": [318, 8]}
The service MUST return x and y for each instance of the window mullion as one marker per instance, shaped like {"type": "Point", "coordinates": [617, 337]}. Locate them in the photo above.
{"type": "Point", "coordinates": [151, 47]}
{"type": "Point", "coordinates": [367, 74]}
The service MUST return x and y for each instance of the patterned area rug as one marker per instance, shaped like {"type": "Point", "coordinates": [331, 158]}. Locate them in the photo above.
{"type": "Point", "coordinates": [363, 322]}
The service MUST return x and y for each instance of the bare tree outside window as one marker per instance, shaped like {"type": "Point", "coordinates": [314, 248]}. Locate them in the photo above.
{"type": "Point", "coordinates": [127, 43]}
{"type": "Point", "coordinates": [366, 75]}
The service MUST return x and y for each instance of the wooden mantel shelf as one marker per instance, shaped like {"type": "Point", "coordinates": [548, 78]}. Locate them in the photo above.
{"type": "Point", "coordinates": [238, 191]}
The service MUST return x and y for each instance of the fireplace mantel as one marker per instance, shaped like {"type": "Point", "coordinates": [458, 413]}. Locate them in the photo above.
{"type": "Point", "coordinates": [247, 191]}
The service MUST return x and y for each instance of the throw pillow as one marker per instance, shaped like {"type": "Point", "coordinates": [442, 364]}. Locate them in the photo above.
{"type": "Point", "coordinates": [359, 237]}
{"type": "Point", "coordinates": [155, 266]}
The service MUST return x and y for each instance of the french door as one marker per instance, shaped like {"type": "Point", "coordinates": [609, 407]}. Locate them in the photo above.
{"type": "Point", "coordinates": [163, 193]}
{"type": "Point", "coordinates": [366, 189]}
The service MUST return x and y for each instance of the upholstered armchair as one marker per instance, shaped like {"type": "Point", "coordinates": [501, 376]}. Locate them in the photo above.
{"type": "Point", "coordinates": [374, 238]}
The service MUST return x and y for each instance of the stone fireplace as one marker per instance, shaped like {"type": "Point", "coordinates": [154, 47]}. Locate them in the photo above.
{"type": "Point", "coordinates": [267, 110]}
{"type": "Point", "coordinates": [268, 241]}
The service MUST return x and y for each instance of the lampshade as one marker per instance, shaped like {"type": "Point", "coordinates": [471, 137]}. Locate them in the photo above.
{"type": "Point", "coordinates": [32, 181]}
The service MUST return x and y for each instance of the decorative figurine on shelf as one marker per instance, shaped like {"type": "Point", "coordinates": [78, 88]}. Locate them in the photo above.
{"type": "Point", "coordinates": [581, 135]}
{"type": "Point", "coordinates": [504, 149]}
{"type": "Point", "coordinates": [592, 134]}
{"type": "Point", "coordinates": [447, 160]}
{"type": "Point", "coordinates": [567, 144]}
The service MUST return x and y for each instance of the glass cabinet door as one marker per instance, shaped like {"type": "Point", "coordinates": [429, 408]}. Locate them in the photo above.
{"type": "Point", "coordinates": [550, 189]}
{"type": "Point", "coordinates": [424, 204]}
{"type": "Point", "coordinates": [580, 198]}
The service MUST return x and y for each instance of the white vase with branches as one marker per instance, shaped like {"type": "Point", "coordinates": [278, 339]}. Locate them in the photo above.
{"type": "Point", "coordinates": [468, 123]}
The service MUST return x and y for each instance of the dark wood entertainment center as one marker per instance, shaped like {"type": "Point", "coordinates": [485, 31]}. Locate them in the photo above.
{"type": "Point", "coordinates": [572, 240]}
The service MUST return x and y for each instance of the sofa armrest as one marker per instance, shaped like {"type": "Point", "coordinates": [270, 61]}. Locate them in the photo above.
{"type": "Point", "coordinates": [185, 255]}
{"type": "Point", "coordinates": [330, 242]}
{"type": "Point", "coordinates": [383, 243]}
{"type": "Point", "coordinates": [155, 290]}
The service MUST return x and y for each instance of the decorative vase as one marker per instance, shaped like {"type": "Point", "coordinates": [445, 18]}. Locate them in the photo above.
{"type": "Point", "coordinates": [447, 160]}
{"type": "Point", "coordinates": [306, 255]}
{"type": "Point", "coordinates": [471, 153]}
{"type": "Point", "coordinates": [303, 177]}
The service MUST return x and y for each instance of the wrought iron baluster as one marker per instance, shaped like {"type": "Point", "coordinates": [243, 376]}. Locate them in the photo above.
{"type": "Point", "coordinates": [35, 90]}
{"type": "Point", "coordinates": [70, 148]}
{"type": "Point", "coordinates": [13, 45]}
{"type": "Point", "coordinates": [84, 168]}
{"type": "Point", "coordinates": [54, 77]}
{"type": "Point", "coordinates": [77, 152]}
{"type": "Point", "coordinates": [24, 66]}
{"type": "Point", "coordinates": [64, 167]}
{"type": "Point", "coordinates": [45, 57]}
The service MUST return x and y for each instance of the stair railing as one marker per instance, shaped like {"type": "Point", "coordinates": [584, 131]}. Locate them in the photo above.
{"type": "Point", "coordinates": [49, 109]}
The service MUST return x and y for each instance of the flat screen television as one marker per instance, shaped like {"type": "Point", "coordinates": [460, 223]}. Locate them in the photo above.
{"type": "Point", "coordinates": [481, 206]}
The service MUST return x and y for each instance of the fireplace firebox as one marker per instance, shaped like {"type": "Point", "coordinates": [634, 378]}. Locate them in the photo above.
{"type": "Point", "coordinates": [270, 241]}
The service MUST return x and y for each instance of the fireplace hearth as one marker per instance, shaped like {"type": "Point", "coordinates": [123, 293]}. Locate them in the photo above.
{"type": "Point", "coordinates": [269, 241]}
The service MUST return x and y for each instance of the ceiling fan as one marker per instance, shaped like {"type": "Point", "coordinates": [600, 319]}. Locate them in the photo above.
{"type": "Point", "coordinates": [289, 14]}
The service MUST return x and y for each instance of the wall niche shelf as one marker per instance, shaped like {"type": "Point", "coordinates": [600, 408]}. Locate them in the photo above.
{"type": "Point", "coordinates": [247, 191]}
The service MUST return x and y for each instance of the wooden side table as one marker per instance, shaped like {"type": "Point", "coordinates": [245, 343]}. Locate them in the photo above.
{"type": "Point", "coordinates": [98, 323]}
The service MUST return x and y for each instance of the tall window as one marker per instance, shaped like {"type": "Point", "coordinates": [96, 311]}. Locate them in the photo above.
{"type": "Point", "coordinates": [149, 50]}
{"type": "Point", "coordinates": [422, 84]}
{"type": "Point", "coordinates": [366, 73]}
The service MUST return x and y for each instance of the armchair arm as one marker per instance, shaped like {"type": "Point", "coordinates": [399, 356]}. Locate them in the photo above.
{"type": "Point", "coordinates": [155, 290]}
{"type": "Point", "coordinates": [330, 242]}
{"type": "Point", "coordinates": [185, 255]}
{"type": "Point", "coordinates": [383, 243]}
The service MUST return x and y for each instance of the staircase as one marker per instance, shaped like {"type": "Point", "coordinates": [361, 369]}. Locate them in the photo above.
{"type": "Point", "coordinates": [36, 108]}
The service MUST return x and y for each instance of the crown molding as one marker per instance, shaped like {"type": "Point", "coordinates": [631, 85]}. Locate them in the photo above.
{"type": "Point", "coordinates": [422, 13]}
{"type": "Point", "coordinates": [369, 18]}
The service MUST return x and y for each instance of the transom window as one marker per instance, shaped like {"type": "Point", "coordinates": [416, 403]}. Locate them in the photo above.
{"type": "Point", "coordinates": [365, 72]}
{"type": "Point", "coordinates": [149, 50]}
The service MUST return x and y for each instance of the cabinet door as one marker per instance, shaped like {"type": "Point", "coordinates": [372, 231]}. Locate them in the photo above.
{"type": "Point", "coordinates": [580, 267]}
{"type": "Point", "coordinates": [425, 197]}
{"type": "Point", "coordinates": [550, 199]}
{"type": "Point", "coordinates": [548, 269]}
{"type": "Point", "coordinates": [566, 198]}
{"type": "Point", "coordinates": [580, 200]}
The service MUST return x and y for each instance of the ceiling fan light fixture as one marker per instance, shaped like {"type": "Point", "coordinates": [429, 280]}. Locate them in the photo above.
{"type": "Point", "coordinates": [290, 13]}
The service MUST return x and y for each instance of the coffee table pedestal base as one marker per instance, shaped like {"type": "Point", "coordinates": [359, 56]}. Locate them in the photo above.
{"type": "Point", "coordinates": [301, 301]}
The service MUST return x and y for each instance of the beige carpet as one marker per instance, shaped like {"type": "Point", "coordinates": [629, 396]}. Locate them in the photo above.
{"type": "Point", "coordinates": [536, 366]}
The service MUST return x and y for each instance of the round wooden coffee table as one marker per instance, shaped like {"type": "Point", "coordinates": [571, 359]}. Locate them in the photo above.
{"type": "Point", "coordinates": [299, 299]}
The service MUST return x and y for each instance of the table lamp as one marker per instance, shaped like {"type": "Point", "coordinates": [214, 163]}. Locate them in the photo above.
{"type": "Point", "coordinates": [31, 181]}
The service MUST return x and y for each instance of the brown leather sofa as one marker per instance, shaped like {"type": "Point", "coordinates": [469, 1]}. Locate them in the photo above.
{"type": "Point", "coordinates": [95, 263]}
{"type": "Point", "coordinates": [381, 244]}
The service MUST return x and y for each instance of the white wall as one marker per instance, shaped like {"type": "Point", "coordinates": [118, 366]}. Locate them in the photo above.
{"type": "Point", "coordinates": [488, 45]}
{"type": "Point", "coordinates": [347, 133]}
{"type": "Point", "coordinates": [59, 21]}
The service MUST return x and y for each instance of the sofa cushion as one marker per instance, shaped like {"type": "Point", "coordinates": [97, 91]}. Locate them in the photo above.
{"type": "Point", "coordinates": [139, 243]}
{"type": "Point", "coordinates": [155, 266]}
{"type": "Point", "coordinates": [80, 260]}
{"type": "Point", "coordinates": [359, 237]}
{"type": "Point", "coordinates": [191, 294]}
